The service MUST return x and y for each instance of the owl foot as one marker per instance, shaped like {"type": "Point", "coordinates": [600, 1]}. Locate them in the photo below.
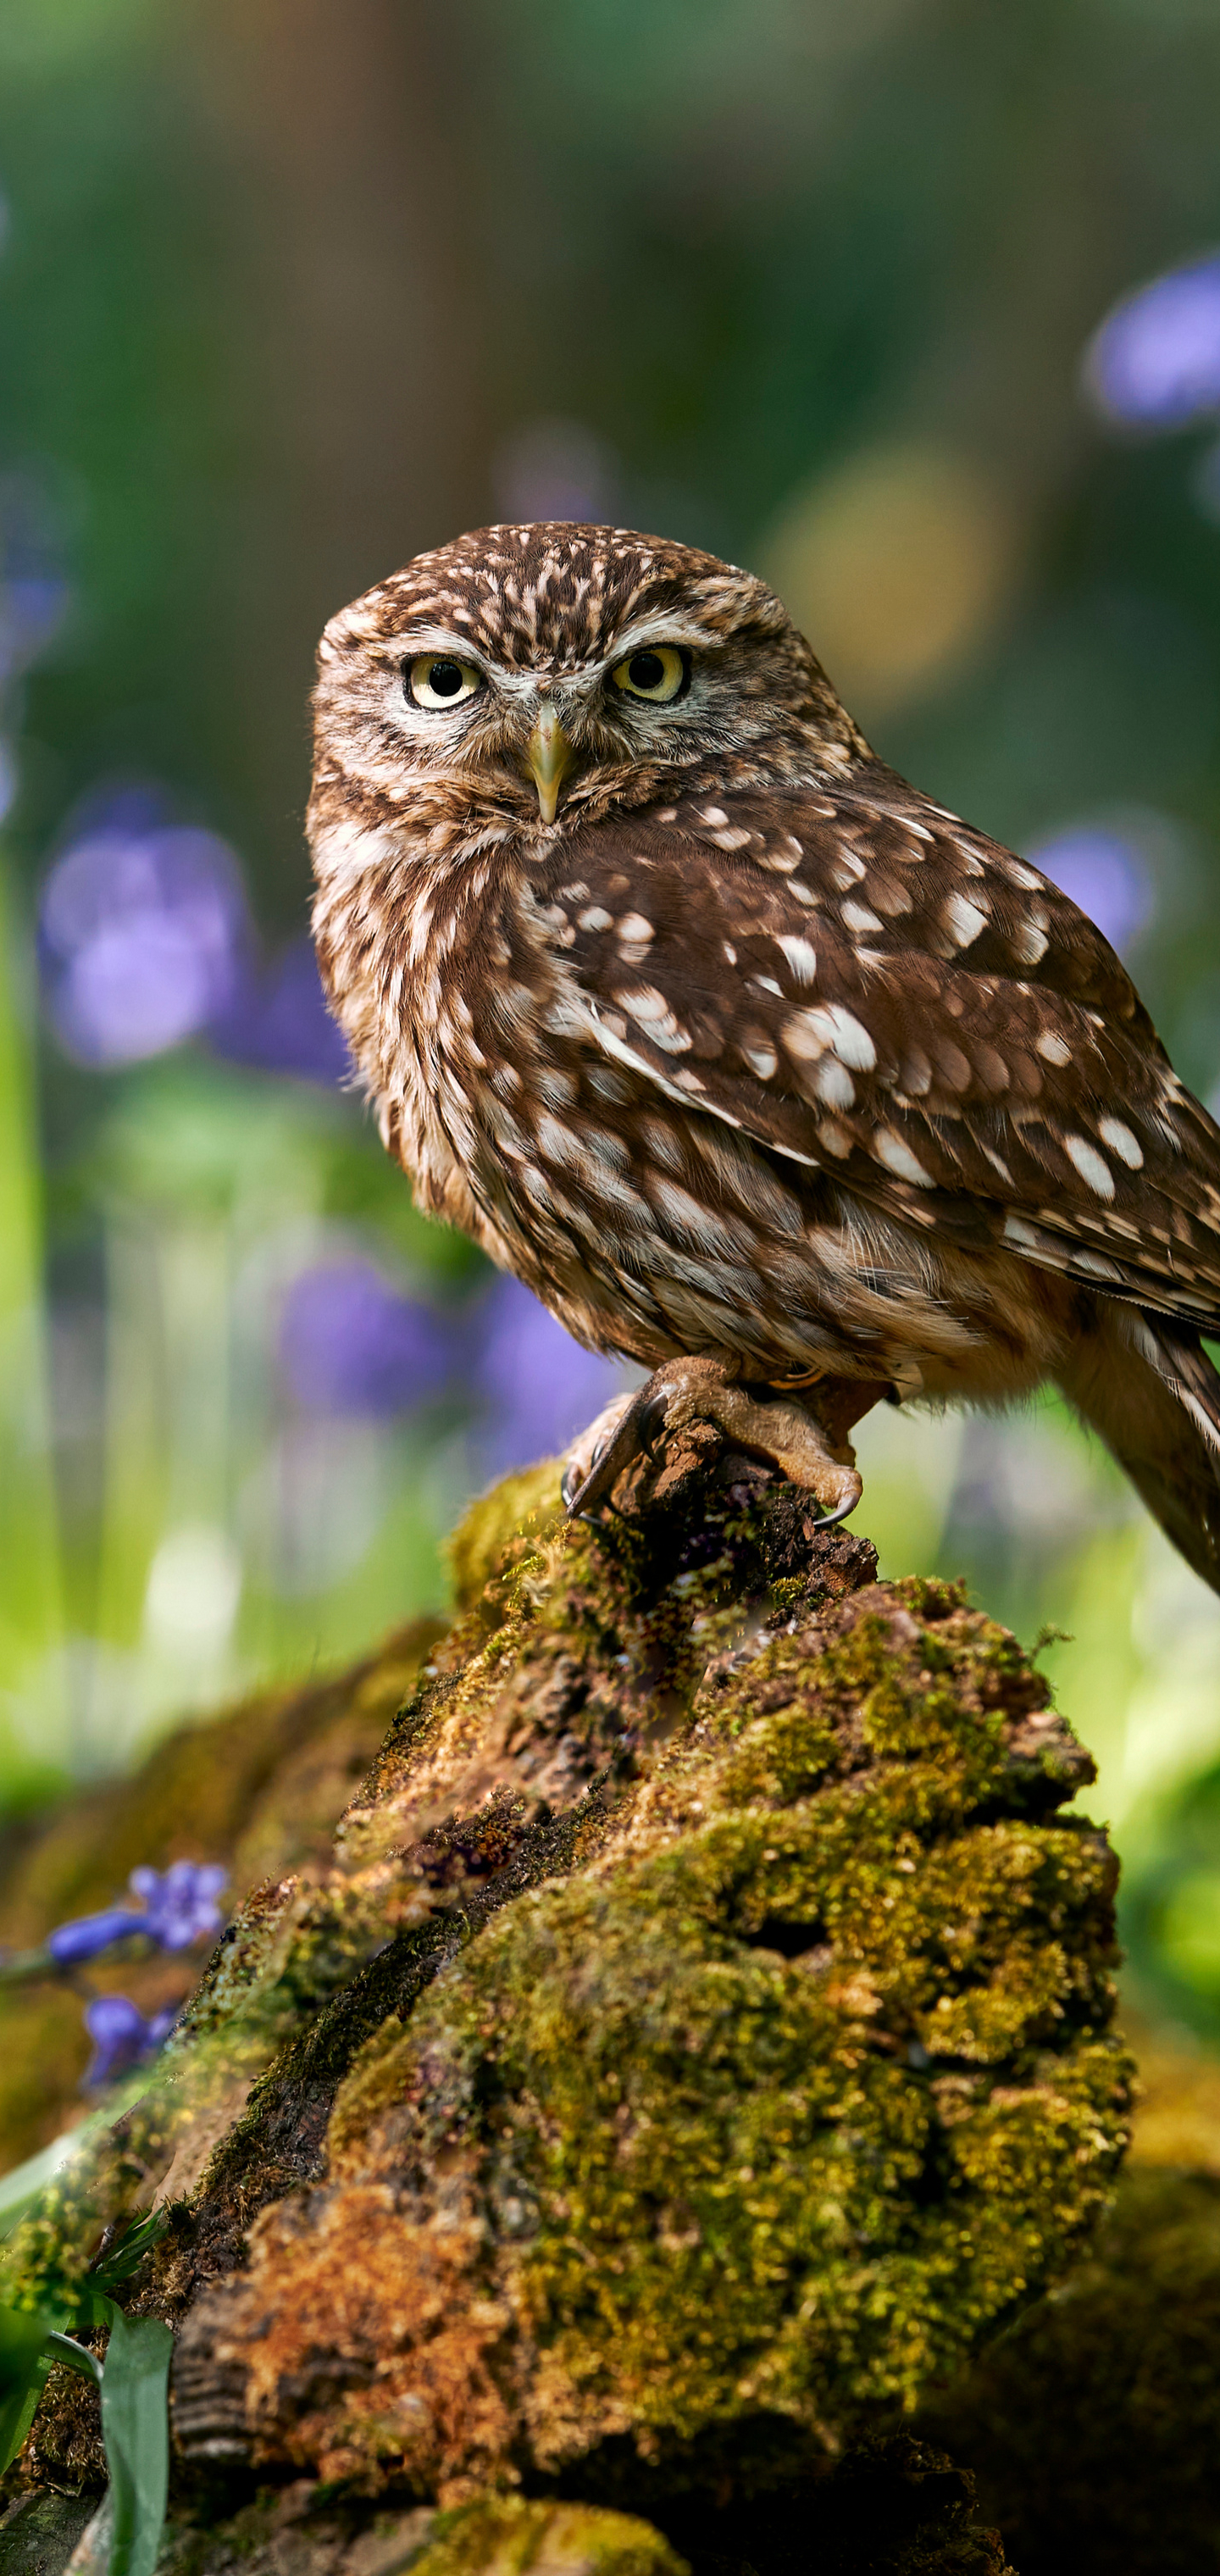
{"type": "Point", "coordinates": [684, 1392]}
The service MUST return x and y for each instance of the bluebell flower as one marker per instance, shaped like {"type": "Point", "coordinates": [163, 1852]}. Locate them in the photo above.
{"type": "Point", "coordinates": [144, 934]}
{"type": "Point", "coordinates": [350, 1342]}
{"type": "Point", "coordinates": [1155, 362]}
{"type": "Point", "coordinates": [123, 2036]}
{"type": "Point", "coordinates": [539, 1385]}
{"type": "Point", "coordinates": [180, 1902]}
{"type": "Point", "coordinates": [70, 1943]}
{"type": "Point", "coordinates": [1105, 872]}
{"type": "Point", "coordinates": [280, 1020]}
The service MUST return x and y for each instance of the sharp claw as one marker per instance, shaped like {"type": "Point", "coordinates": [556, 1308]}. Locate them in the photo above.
{"type": "Point", "coordinates": [827, 1520]}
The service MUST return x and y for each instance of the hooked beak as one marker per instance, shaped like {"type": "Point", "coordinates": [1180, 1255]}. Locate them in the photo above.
{"type": "Point", "coordinates": [550, 755]}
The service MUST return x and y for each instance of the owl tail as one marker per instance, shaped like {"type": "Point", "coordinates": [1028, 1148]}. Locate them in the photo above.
{"type": "Point", "coordinates": [1148, 1388]}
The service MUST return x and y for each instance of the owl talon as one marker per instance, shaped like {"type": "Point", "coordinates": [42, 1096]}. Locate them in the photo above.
{"type": "Point", "coordinates": [683, 1392]}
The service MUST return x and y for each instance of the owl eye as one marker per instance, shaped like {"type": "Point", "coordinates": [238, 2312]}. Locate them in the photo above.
{"type": "Point", "coordinates": [657, 671]}
{"type": "Point", "coordinates": [440, 680]}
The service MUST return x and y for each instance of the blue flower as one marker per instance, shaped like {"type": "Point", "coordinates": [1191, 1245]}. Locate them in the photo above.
{"type": "Point", "coordinates": [143, 932]}
{"type": "Point", "coordinates": [123, 2036]}
{"type": "Point", "coordinates": [1155, 362]}
{"type": "Point", "coordinates": [72, 1942]}
{"type": "Point", "coordinates": [1105, 872]}
{"type": "Point", "coordinates": [350, 1342]}
{"type": "Point", "coordinates": [180, 1901]}
{"type": "Point", "coordinates": [539, 1385]}
{"type": "Point", "coordinates": [280, 1020]}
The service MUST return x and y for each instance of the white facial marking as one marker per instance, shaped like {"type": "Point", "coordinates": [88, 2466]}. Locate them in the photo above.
{"type": "Point", "coordinates": [1121, 1142]}
{"type": "Point", "coordinates": [1092, 1166]}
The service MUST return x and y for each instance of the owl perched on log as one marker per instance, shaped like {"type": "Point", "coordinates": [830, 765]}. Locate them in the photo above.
{"type": "Point", "coordinates": [752, 1061]}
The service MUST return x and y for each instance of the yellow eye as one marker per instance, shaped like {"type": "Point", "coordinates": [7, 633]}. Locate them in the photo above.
{"type": "Point", "coordinates": [657, 671]}
{"type": "Point", "coordinates": [439, 680]}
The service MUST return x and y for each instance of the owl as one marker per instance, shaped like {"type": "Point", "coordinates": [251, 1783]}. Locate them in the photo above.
{"type": "Point", "coordinates": [755, 1064]}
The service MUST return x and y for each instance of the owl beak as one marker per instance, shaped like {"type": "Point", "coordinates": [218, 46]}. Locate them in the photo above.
{"type": "Point", "coordinates": [550, 756]}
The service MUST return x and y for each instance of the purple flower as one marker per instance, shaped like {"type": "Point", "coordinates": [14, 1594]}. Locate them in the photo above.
{"type": "Point", "coordinates": [1155, 362]}
{"type": "Point", "coordinates": [540, 1386]}
{"type": "Point", "coordinates": [280, 1020]}
{"type": "Point", "coordinates": [143, 933]}
{"type": "Point", "coordinates": [70, 1943]}
{"type": "Point", "coordinates": [1102, 871]}
{"type": "Point", "coordinates": [351, 1343]}
{"type": "Point", "coordinates": [122, 2035]}
{"type": "Point", "coordinates": [180, 1901]}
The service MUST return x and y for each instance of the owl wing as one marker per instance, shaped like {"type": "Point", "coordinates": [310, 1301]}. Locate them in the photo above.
{"type": "Point", "coordinates": [869, 989]}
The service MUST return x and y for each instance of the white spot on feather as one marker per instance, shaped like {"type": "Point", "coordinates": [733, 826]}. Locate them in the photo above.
{"type": "Point", "coordinates": [808, 1034]}
{"type": "Point", "coordinates": [1028, 940]}
{"type": "Point", "coordinates": [858, 919]}
{"type": "Point", "coordinates": [1121, 1142]}
{"type": "Point", "coordinates": [892, 1149]}
{"type": "Point", "coordinates": [801, 957]}
{"type": "Point", "coordinates": [1052, 1048]}
{"type": "Point", "coordinates": [964, 920]}
{"type": "Point", "coordinates": [596, 918]}
{"type": "Point", "coordinates": [831, 1082]}
{"type": "Point", "coordinates": [1092, 1166]}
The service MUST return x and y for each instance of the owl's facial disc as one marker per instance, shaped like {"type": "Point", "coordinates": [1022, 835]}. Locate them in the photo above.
{"type": "Point", "coordinates": [480, 718]}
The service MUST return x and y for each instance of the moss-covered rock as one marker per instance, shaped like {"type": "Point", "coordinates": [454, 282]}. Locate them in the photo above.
{"type": "Point", "coordinates": [696, 2042]}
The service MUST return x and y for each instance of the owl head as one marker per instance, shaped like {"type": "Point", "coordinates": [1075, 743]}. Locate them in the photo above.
{"type": "Point", "coordinates": [525, 675]}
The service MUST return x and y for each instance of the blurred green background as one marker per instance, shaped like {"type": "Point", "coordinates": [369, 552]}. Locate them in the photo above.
{"type": "Point", "coordinates": [290, 289]}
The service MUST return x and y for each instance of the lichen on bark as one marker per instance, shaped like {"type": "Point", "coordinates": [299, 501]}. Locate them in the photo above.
{"type": "Point", "coordinates": [696, 2043]}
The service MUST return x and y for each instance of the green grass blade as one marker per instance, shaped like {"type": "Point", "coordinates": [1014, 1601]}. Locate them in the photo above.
{"type": "Point", "coordinates": [24, 2363]}
{"type": "Point", "coordinates": [135, 2429]}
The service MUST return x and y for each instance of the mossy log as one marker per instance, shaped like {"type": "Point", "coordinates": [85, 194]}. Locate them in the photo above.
{"type": "Point", "coordinates": [694, 2045]}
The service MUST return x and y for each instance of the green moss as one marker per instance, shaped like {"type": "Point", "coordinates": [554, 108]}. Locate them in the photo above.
{"type": "Point", "coordinates": [695, 2044]}
{"type": "Point", "coordinates": [525, 1507]}
{"type": "Point", "coordinates": [505, 2536]}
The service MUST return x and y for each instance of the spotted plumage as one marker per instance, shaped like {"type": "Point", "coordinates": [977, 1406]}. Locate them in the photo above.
{"type": "Point", "coordinates": [726, 1039]}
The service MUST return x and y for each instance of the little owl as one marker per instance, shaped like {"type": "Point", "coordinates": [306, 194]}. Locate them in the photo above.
{"type": "Point", "coordinates": [753, 1062]}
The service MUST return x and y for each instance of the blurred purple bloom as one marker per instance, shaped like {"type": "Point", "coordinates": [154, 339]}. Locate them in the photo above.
{"type": "Point", "coordinates": [1155, 362]}
{"type": "Point", "coordinates": [351, 1343]}
{"type": "Point", "coordinates": [180, 1901]}
{"type": "Point", "coordinates": [122, 2035]}
{"type": "Point", "coordinates": [540, 1386]}
{"type": "Point", "coordinates": [70, 1943]}
{"type": "Point", "coordinates": [143, 933]}
{"type": "Point", "coordinates": [280, 1020]}
{"type": "Point", "coordinates": [1105, 873]}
